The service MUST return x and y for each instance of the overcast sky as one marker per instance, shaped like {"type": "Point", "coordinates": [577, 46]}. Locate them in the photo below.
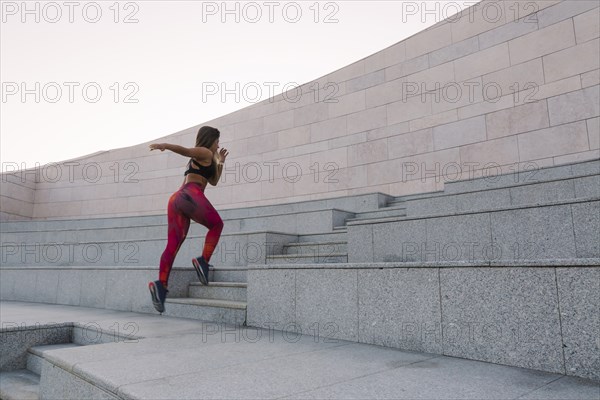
{"type": "Point", "coordinates": [92, 76]}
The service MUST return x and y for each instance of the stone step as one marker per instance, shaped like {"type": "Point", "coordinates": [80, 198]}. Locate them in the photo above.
{"type": "Point", "coordinates": [335, 235]}
{"type": "Point", "coordinates": [438, 214]}
{"type": "Point", "coordinates": [35, 355]}
{"type": "Point", "coordinates": [209, 310]}
{"type": "Point", "coordinates": [536, 193]}
{"type": "Point", "coordinates": [391, 211]}
{"type": "Point", "coordinates": [350, 203]}
{"type": "Point", "coordinates": [529, 173]}
{"type": "Point", "coordinates": [19, 385]}
{"type": "Point", "coordinates": [228, 274]}
{"type": "Point", "coordinates": [231, 291]}
{"type": "Point", "coordinates": [307, 258]}
{"type": "Point", "coordinates": [232, 250]}
{"type": "Point", "coordinates": [315, 248]}
{"type": "Point", "coordinates": [298, 223]}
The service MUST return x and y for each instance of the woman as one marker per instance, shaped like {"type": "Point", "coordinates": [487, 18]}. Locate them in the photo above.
{"type": "Point", "coordinates": [205, 166]}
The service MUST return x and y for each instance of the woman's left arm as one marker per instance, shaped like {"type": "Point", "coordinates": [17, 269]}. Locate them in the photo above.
{"type": "Point", "coordinates": [220, 160]}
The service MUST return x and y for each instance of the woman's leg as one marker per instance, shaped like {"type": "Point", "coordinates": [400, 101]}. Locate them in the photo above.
{"type": "Point", "coordinates": [205, 214]}
{"type": "Point", "coordinates": [179, 225]}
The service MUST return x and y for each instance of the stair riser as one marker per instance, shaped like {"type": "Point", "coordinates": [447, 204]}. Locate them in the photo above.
{"type": "Point", "coordinates": [327, 237]}
{"type": "Point", "coordinates": [529, 173]}
{"type": "Point", "coordinates": [218, 293]}
{"type": "Point", "coordinates": [228, 276]}
{"type": "Point", "coordinates": [316, 249]}
{"type": "Point", "coordinates": [307, 260]}
{"type": "Point", "coordinates": [34, 363]}
{"type": "Point", "coordinates": [205, 313]}
{"type": "Point", "coordinates": [383, 213]}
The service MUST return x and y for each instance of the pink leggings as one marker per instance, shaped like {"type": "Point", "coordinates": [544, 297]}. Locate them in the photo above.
{"type": "Point", "coordinates": [188, 203]}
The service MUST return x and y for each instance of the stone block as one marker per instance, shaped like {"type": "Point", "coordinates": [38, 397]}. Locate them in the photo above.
{"type": "Point", "coordinates": [454, 51]}
{"type": "Point", "coordinates": [572, 61]}
{"type": "Point", "coordinates": [407, 144]}
{"type": "Point", "coordinates": [533, 233]}
{"type": "Point", "coordinates": [365, 81]}
{"type": "Point", "coordinates": [93, 289]}
{"type": "Point", "coordinates": [574, 106]}
{"type": "Point", "coordinates": [509, 31]}
{"type": "Point", "coordinates": [271, 298]}
{"type": "Point", "coordinates": [332, 128]}
{"type": "Point", "coordinates": [459, 133]}
{"type": "Point", "coordinates": [347, 104]}
{"type": "Point", "coordinates": [428, 41]}
{"type": "Point", "coordinates": [366, 120]}
{"type": "Point", "coordinates": [502, 315]}
{"type": "Point", "coordinates": [578, 291]}
{"type": "Point", "coordinates": [586, 25]}
{"type": "Point", "coordinates": [514, 79]}
{"type": "Point", "coordinates": [477, 19]}
{"type": "Point", "coordinates": [528, 117]}
{"type": "Point", "coordinates": [593, 128]}
{"type": "Point", "coordinates": [555, 141]}
{"type": "Point", "coordinates": [483, 62]}
{"type": "Point", "coordinates": [542, 193]}
{"type": "Point", "coordinates": [407, 67]}
{"type": "Point", "coordinates": [542, 42]}
{"type": "Point", "coordinates": [500, 151]}
{"type": "Point", "coordinates": [364, 153]}
{"type": "Point", "coordinates": [564, 10]}
{"type": "Point", "coordinates": [360, 243]}
{"type": "Point", "coordinates": [400, 307]}
{"type": "Point", "coordinates": [586, 224]}
{"type": "Point", "coordinates": [401, 241]}
{"type": "Point", "coordinates": [314, 291]}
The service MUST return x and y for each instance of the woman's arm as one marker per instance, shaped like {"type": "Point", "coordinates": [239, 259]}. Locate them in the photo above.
{"type": "Point", "coordinates": [215, 179]}
{"type": "Point", "coordinates": [199, 153]}
{"type": "Point", "coordinates": [220, 160]}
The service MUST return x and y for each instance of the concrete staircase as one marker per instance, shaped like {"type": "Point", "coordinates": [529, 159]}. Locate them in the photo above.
{"type": "Point", "coordinates": [222, 301]}
{"type": "Point", "coordinates": [312, 232]}
{"type": "Point", "coordinates": [24, 384]}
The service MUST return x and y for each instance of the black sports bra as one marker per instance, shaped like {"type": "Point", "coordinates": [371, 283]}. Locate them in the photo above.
{"type": "Point", "coordinates": [206, 172]}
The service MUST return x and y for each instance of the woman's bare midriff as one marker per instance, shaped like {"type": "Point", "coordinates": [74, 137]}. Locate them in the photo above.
{"type": "Point", "coordinates": [197, 179]}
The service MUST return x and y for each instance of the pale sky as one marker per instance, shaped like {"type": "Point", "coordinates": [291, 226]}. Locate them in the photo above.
{"type": "Point", "coordinates": [164, 60]}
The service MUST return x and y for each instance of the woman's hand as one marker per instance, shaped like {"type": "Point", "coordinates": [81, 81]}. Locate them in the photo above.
{"type": "Point", "coordinates": [158, 146]}
{"type": "Point", "coordinates": [223, 153]}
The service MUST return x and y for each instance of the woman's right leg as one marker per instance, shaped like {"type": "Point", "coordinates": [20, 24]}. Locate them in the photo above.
{"type": "Point", "coordinates": [179, 225]}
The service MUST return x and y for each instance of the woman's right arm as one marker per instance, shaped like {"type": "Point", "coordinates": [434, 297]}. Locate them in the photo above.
{"type": "Point", "coordinates": [199, 153]}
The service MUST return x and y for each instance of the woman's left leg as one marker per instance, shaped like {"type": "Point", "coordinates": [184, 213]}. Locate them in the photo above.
{"type": "Point", "coordinates": [205, 214]}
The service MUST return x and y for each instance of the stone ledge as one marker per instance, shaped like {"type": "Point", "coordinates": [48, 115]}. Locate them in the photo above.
{"type": "Point", "coordinates": [482, 211]}
{"type": "Point", "coordinates": [581, 262]}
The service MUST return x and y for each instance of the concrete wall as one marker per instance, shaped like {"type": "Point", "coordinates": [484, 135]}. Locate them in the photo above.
{"type": "Point", "coordinates": [518, 86]}
{"type": "Point", "coordinates": [17, 195]}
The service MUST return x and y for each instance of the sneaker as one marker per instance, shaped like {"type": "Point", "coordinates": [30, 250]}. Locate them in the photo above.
{"type": "Point", "coordinates": [159, 295]}
{"type": "Point", "coordinates": [201, 267]}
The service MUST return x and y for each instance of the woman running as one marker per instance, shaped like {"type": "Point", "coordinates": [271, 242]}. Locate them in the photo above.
{"type": "Point", "coordinates": [188, 203]}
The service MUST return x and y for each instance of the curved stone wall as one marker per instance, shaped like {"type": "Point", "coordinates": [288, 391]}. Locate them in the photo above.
{"type": "Point", "coordinates": [481, 92]}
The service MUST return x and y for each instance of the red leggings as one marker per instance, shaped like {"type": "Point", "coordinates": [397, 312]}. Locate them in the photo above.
{"type": "Point", "coordinates": [188, 203]}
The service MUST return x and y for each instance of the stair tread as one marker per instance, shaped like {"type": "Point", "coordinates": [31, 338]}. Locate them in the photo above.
{"type": "Point", "coordinates": [21, 384]}
{"type": "Point", "coordinates": [307, 255]}
{"type": "Point", "coordinates": [222, 284]}
{"type": "Point", "coordinates": [316, 243]}
{"type": "Point", "coordinates": [209, 302]}
{"type": "Point", "coordinates": [377, 219]}
{"type": "Point", "coordinates": [39, 350]}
